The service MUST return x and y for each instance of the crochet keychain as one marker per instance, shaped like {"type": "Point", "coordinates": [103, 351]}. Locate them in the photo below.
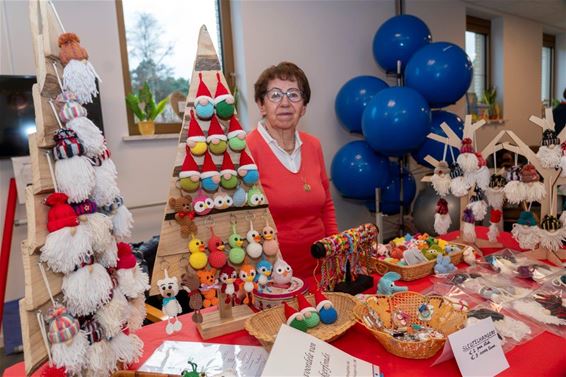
{"type": "Point", "coordinates": [184, 214]}
{"type": "Point", "coordinates": [254, 248]}
{"type": "Point", "coordinates": [210, 176]}
{"type": "Point", "coordinates": [467, 158]}
{"type": "Point", "coordinates": [191, 284]}
{"type": "Point", "coordinates": [169, 289]}
{"type": "Point", "coordinates": [196, 141]}
{"type": "Point", "coordinates": [549, 152]}
{"type": "Point", "coordinates": [441, 177]}
{"type": "Point", "coordinates": [237, 254]}
{"type": "Point", "coordinates": [202, 203]}
{"type": "Point", "coordinates": [264, 270]}
{"type": "Point", "coordinates": [478, 204]}
{"type": "Point", "coordinates": [189, 176]}
{"type": "Point", "coordinates": [208, 286]}
{"type": "Point", "coordinates": [223, 100]}
{"type": "Point", "coordinates": [204, 104]}
{"type": "Point", "coordinates": [228, 174]}
{"type": "Point", "coordinates": [270, 244]}
{"type": "Point", "coordinates": [198, 259]}
{"type": "Point", "coordinates": [236, 135]}
{"type": "Point", "coordinates": [247, 275]}
{"type": "Point", "coordinates": [514, 189]}
{"type": "Point", "coordinates": [216, 257]}
{"type": "Point", "coordinates": [216, 139]}
{"type": "Point", "coordinates": [247, 169]}
{"type": "Point", "coordinates": [229, 284]}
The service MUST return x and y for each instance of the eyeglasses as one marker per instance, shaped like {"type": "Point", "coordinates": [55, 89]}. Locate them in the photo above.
{"type": "Point", "coordinates": [276, 95]}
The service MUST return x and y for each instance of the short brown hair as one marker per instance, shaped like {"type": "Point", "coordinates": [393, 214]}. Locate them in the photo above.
{"type": "Point", "coordinates": [282, 71]}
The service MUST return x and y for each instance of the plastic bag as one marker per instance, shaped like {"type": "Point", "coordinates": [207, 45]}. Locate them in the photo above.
{"type": "Point", "coordinates": [513, 264]}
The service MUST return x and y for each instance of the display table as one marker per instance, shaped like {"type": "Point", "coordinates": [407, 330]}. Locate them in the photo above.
{"type": "Point", "coordinates": [544, 355]}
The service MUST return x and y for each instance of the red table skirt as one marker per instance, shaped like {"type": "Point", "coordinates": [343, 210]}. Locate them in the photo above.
{"type": "Point", "coordinates": [544, 355]}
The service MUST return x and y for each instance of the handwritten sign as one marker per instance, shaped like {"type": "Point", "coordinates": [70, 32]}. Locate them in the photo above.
{"type": "Point", "coordinates": [478, 351]}
{"type": "Point", "coordinates": [296, 353]}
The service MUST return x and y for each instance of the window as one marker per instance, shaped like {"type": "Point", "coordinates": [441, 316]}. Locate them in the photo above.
{"type": "Point", "coordinates": [158, 41]}
{"type": "Point", "coordinates": [477, 48]}
{"type": "Point", "coordinates": [547, 70]}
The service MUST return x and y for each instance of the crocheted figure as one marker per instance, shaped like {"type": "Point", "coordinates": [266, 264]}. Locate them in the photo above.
{"type": "Point", "coordinates": [189, 176]}
{"type": "Point", "coordinates": [223, 100]}
{"type": "Point", "coordinates": [294, 318]}
{"type": "Point", "coordinates": [253, 237]}
{"type": "Point", "coordinates": [255, 197]}
{"type": "Point", "coordinates": [247, 274]}
{"type": "Point", "coordinates": [198, 259]}
{"type": "Point", "coordinates": [264, 269]}
{"type": "Point", "coordinates": [325, 307]}
{"type": "Point", "coordinates": [216, 258]}
{"type": "Point", "coordinates": [169, 288]}
{"type": "Point", "coordinates": [228, 174]}
{"type": "Point", "coordinates": [184, 214]}
{"type": "Point", "coordinates": [236, 135]}
{"type": "Point", "coordinates": [208, 285]}
{"type": "Point", "coordinates": [282, 274]}
{"type": "Point", "coordinates": [229, 286]}
{"type": "Point", "coordinates": [202, 204]}
{"type": "Point", "coordinates": [204, 104]}
{"type": "Point", "coordinates": [248, 169]}
{"type": "Point", "coordinates": [222, 200]}
{"type": "Point", "coordinates": [216, 139]}
{"type": "Point", "coordinates": [386, 285]}
{"type": "Point", "coordinates": [191, 283]}
{"type": "Point", "coordinates": [210, 177]}
{"type": "Point", "coordinates": [237, 254]}
{"type": "Point", "coordinates": [196, 142]}
{"type": "Point", "coordinates": [308, 311]}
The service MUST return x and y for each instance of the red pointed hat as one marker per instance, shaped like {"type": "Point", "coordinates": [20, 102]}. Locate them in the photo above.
{"type": "Point", "coordinates": [321, 300]}
{"type": "Point", "coordinates": [126, 258]}
{"type": "Point", "coordinates": [246, 161]}
{"type": "Point", "coordinates": [222, 93]}
{"type": "Point", "coordinates": [195, 132]}
{"type": "Point", "coordinates": [290, 313]}
{"type": "Point", "coordinates": [190, 167]}
{"type": "Point", "coordinates": [227, 165]}
{"type": "Point", "coordinates": [202, 90]}
{"type": "Point", "coordinates": [61, 214]}
{"type": "Point", "coordinates": [235, 129]}
{"type": "Point", "coordinates": [304, 305]}
{"type": "Point", "coordinates": [208, 168]}
{"type": "Point", "coordinates": [215, 131]}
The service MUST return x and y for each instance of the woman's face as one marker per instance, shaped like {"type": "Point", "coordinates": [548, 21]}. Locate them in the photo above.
{"type": "Point", "coordinates": [284, 114]}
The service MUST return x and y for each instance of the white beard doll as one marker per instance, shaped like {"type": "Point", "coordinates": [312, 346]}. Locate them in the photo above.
{"type": "Point", "coordinates": [549, 153]}
{"type": "Point", "coordinates": [132, 281]}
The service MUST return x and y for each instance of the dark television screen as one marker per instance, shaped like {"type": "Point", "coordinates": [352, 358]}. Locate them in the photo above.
{"type": "Point", "coordinates": [17, 115]}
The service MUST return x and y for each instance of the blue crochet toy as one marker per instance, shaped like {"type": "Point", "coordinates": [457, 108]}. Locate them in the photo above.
{"type": "Point", "coordinates": [443, 265]}
{"type": "Point", "coordinates": [386, 285]}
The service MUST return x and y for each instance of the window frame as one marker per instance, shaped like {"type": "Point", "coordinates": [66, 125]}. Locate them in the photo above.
{"type": "Point", "coordinates": [226, 46]}
{"type": "Point", "coordinates": [482, 26]}
{"type": "Point", "coordinates": [549, 41]}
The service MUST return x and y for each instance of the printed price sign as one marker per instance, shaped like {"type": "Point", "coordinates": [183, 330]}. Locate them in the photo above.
{"type": "Point", "coordinates": [478, 351]}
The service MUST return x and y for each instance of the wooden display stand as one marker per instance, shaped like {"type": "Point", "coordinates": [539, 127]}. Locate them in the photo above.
{"type": "Point", "coordinates": [172, 252]}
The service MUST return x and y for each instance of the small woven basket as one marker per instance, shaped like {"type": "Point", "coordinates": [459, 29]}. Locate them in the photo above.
{"type": "Point", "coordinates": [445, 319]}
{"type": "Point", "coordinates": [265, 324]}
{"type": "Point", "coordinates": [415, 271]}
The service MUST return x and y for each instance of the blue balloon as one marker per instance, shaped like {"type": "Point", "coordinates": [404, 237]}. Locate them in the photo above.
{"type": "Point", "coordinates": [396, 121]}
{"type": "Point", "coordinates": [399, 38]}
{"type": "Point", "coordinates": [441, 72]}
{"type": "Point", "coordinates": [352, 99]}
{"type": "Point", "coordinates": [390, 195]}
{"type": "Point", "coordinates": [357, 170]}
{"type": "Point", "coordinates": [435, 148]}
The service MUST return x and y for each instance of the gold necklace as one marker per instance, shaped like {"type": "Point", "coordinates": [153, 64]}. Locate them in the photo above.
{"type": "Point", "coordinates": [306, 186]}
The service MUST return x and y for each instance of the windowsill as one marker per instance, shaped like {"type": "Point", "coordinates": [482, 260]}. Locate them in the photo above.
{"type": "Point", "coordinates": [174, 136]}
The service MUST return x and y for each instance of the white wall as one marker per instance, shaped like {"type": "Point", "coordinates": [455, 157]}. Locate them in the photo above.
{"type": "Point", "coordinates": [560, 66]}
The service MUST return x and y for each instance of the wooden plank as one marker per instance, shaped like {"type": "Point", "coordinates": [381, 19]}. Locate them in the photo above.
{"type": "Point", "coordinates": [36, 295]}
{"type": "Point", "coordinates": [50, 29]}
{"type": "Point", "coordinates": [213, 326]}
{"type": "Point", "coordinates": [34, 348]}
{"type": "Point", "coordinates": [45, 121]}
{"type": "Point", "coordinates": [36, 213]}
{"type": "Point", "coordinates": [41, 177]}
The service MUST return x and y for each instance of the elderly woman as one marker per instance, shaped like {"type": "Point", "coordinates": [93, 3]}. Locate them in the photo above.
{"type": "Point", "coordinates": [291, 166]}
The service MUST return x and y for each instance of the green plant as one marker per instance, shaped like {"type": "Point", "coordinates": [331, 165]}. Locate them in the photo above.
{"type": "Point", "coordinates": [489, 96]}
{"type": "Point", "coordinates": [143, 104]}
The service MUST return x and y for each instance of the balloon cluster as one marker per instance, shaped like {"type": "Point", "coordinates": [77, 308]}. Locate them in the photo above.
{"type": "Point", "coordinates": [396, 120]}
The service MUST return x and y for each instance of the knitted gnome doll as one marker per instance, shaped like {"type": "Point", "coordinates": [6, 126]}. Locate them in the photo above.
{"type": "Point", "coordinates": [195, 137]}
{"type": "Point", "coordinates": [216, 139]}
{"type": "Point", "coordinates": [216, 258]}
{"type": "Point", "coordinates": [223, 100]}
{"type": "Point", "coordinates": [122, 219]}
{"type": "Point", "coordinates": [204, 104]}
{"type": "Point", "coordinates": [228, 175]}
{"type": "Point", "coordinates": [481, 176]}
{"type": "Point", "coordinates": [312, 319]}
{"type": "Point", "coordinates": [127, 347]}
{"type": "Point", "coordinates": [295, 319]}
{"type": "Point", "coordinates": [441, 179]}
{"type": "Point", "coordinates": [458, 184]}
{"type": "Point", "coordinates": [79, 76]}
{"type": "Point", "coordinates": [467, 158]}
{"type": "Point", "coordinates": [533, 188]}
{"type": "Point", "coordinates": [68, 343]}
{"type": "Point", "coordinates": [495, 192]}
{"type": "Point", "coordinates": [132, 281]}
{"type": "Point", "coordinates": [100, 357]}
{"type": "Point", "coordinates": [326, 310]}
{"type": "Point", "coordinates": [514, 189]}
{"type": "Point", "coordinates": [494, 220]}
{"type": "Point", "coordinates": [248, 169]}
{"type": "Point", "coordinates": [189, 176]}
{"type": "Point", "coordinates": [549, 152]}
{"type": "Point", "coordinates": [551, 233]}
{"type": "Point", "coordinates": [73, 172]}
{"type": "Point", "coordinates": [210, 177]}
{"type": "Point", "coordinates": [106, 179]}
{"type": "Point", "coordinates": [112, 315]}
{"type": "Point", "coordinates": [478, 205]}
{"type": "Point", "coordinates": [69, 241]}
{"type": "Point", "coordinates": [525, 231]}
{"type": "Point", "coordinates": [236, 135]}
{"type": "Point", "coordinates": [253, 237]}
{"type": "Point", "coordinates": [442, 219]}
{"type": "Point", "coordinates": [469, 226]}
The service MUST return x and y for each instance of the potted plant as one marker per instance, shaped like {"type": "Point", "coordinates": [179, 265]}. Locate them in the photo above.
{"type": "Point", "coordinates": [145, 109]}
{"type": "Point", "coordinates": [489, 98]}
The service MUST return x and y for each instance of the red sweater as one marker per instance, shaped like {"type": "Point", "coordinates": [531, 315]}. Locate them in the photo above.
{"type": "Point", "coordinates": [301, 217]}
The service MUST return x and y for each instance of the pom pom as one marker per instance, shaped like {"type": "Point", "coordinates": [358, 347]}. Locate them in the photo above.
{"type": "Point", "coordinates": [133, 282]}
{"type": "Point", "coordinates": [526, 235]}
{"type": "Point", "coordinates": [75, 177]}
{"type": "Point", "coordinates": [442, 223]}
{"type": "Point", "coordinates": [515, 192]}
{"type": "Point", "coordinates": [479, 209]}
{"type": "Point", "coordinates": [459, 186]}
{"type": "Point", "coordinates": [80, 77]}
{"type": "Point", "coordinates": [123, 222]}
{"type": "Point", "coordinates": [70, 48]}
{"type": "Point", "coordinates": [71, 354]}
{"type": "Point", "coordinates": [66, 248]}
{"type": "Point", "coordinates": [495, 197]}
{"type": "Point", "coordinates": [87, 289]}
{"type": "Point", "coordinates": [468, 162]}
{"type": "Point", "coordinates": [53, 371]}
{"type": "Point", "coordinates": [441, 184]}
{"type": "Point", "coordinates": [111, 315]}
{"type": "Point", "coordinates": [127, 348]}
{"type": "Point", "coordinates": [549, 157]}
{"type": "Point", "coordinates": [534, 191]}
{"type": "Point", "coordinates": [91, 136]}
{"type": "Point", "coordinates": [101, 359]}
{"type": "Point", "coordinates": [137, 313]}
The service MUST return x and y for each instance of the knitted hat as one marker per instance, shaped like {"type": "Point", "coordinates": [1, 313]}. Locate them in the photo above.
{"type": "Point", "coordinates": [190, 167]}
{"type": "Point", "coordinates": [66, 96]}
{"type": "Point", "coordinates": [85, 207]}
{"type": "Point", "coordinates": [202, 91]}
{"type": "Point", "coordinates": [208, 168]}
{"type": "Point", "coordinates": [235, 129]}
{"type": "Point", "coordinates": [222, 94]}
{"type": "Point", "coordinates": [60, 214]}
{"type": "Point", "coordinates": [111, 208]}
{"type": "Point", "coordinates": [468, 216]}
{"type": "Point", "coordinates": [70, 48]}
{"type": "Point", "coordinates": [67, 144]}
{"type": "Point", "coordinates": [481, 160]}
{"type": "Point", "coordinates": [478, 195]}
{"type": "Point", "coordinates": [497, 181]}
{"type": "Point", "coordinates": [456, 171]}
{"type": "Point", "coordinates": [290, 313]}
{"type": "Point", "coordinates": [549, 138]}
{"type": "Point", "coordinates": [215, 130]}
{"type": "Point", "coordinates": [62, 326]}
{"type": "Point", "coordinates": [442, 168]}
{"type": "Point", "coordinates": [321, 300]}
{"type": "Point", "coordinates": [527, 218]}
{"type": "Point", "coordinates": [93, 331]}
{"type": "Point", "coordinates": [126, 258]}
{"type": "Point", "coordinates": [246, 162]}
{"type": "Point", "coordinates": [227, 165]}
{"type": "Point", "coordinates": [495, 216]}
{"type": "Point", "coordinates": [442, 206]}
{"type": "Point", "coordinates": [71, 110]}
{"type": "Point", "coordinates": [550, 223]}
{"type": "Point", "coordinates": [467, 146]}
{"type": "Point", "coordinates": [195, 132]}
{"type": "Point", "coordinates": [514, 174]}
{"type": "Point", "coordinates": [304, 305]}
{"type": "Point", "coordinates": [529, 174]}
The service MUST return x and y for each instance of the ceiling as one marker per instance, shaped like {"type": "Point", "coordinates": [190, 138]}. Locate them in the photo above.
{"type": "Point", "coordinates": [551, 13]}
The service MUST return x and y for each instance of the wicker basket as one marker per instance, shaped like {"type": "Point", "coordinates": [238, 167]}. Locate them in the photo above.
{"type": "Point", "coordinates": [265, 325]}
{"type": "Point", "coordinates": [415, 271]}
{"type": "Point", "coordinates": [445, 318]}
